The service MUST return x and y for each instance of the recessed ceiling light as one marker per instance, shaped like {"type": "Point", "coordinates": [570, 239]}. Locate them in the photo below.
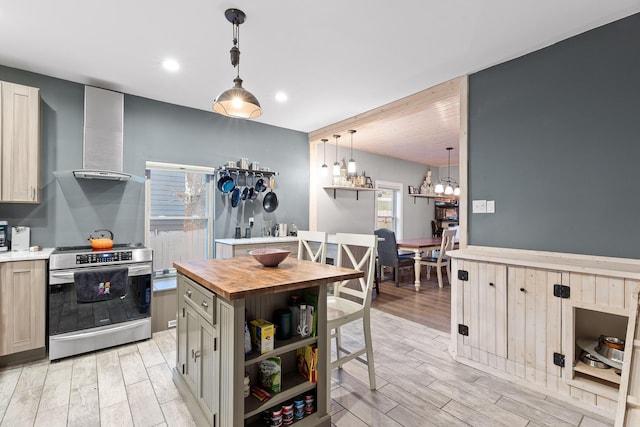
{"type": "Point", "coordinates": [281, 97]}
{"type": "Point", "coordinates": [171, 65]}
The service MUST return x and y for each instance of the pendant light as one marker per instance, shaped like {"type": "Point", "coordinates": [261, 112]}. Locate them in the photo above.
{"type": "Point", "coordinates": [237, 101]}
{"type": "Point", "coordinates": [324, 169]}
{"type": "Point", "coordinates": [351, 168]}
{"type": "Point", "coordinates": [336, 165]}
{"type": "Point", "coordinates": [448, 186]}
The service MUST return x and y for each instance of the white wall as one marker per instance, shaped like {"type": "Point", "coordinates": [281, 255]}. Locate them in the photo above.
{"type": "Point", "coordinates": [346, 214]}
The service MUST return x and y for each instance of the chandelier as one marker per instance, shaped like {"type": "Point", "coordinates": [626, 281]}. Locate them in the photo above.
{"type": "Point", "coordinates": [448, 186]}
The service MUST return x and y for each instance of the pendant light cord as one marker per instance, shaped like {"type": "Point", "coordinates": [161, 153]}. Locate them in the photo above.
{"type": "Point", "coordinates": [324, 147]}
{"type": "Point", "coordinates": [236, 44]}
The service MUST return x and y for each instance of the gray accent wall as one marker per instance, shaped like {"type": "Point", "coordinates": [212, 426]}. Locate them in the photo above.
{"type": "Point", "coordinates": [71, 209]}
{"type": "Point", "coordinates": [554, 139]}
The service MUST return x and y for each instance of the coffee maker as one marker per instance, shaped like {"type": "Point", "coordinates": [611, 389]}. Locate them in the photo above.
{"type": "Point", "coordinates": [4, 234]}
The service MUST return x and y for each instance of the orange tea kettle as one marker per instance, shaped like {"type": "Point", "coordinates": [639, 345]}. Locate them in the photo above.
{"type": "Point", "coordinates": [101, 242]}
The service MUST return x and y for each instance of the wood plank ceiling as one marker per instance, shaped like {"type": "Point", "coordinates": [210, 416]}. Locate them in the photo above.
{"type": "Point", "coordinates": [417, 128]}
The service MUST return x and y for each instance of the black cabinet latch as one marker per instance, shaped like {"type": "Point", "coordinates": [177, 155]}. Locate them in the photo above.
{"type": "Point", "coordinates": [558, 359]}
{"type": "Point", "coordinates": [561, 291]}
{"type": "Point", "coordinates": [463, 275]}
{"type": "Point", "coordinates": [463, 329]}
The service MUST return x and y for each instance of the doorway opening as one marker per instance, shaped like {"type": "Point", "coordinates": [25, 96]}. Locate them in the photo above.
{"type": "Point", "coordinates": [389, 206]}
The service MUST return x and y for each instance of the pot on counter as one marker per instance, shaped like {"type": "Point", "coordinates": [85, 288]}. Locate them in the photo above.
{"type": "Point", "coordinates": [101, 242]}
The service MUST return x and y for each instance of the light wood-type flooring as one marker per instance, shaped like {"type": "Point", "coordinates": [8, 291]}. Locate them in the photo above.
{"type": "Point", "coordinates": [418, 382]}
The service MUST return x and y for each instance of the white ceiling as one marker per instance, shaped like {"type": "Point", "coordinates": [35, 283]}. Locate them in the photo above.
{"type": "Point", "coordinates": [335, 59]}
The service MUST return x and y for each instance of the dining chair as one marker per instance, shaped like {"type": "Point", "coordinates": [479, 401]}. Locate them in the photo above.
{"type": "Point", "coordinates": [312, 245]}
{"type": "Point", "coordinates": [448, 242]}
{"type": "Point", "coordinates": [351, 299]}
{"type": "Point", "coordinates": [388, 255]}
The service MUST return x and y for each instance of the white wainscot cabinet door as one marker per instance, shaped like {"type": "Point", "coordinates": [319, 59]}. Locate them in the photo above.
{"type": "Point", "coordinates": [535, 328]}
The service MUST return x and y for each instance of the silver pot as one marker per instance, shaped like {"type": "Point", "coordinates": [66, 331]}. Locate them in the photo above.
{"type": "Point", "coordinates": [604, 350]}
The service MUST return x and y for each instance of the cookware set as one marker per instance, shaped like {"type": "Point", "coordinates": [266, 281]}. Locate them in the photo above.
{"type": "Point", "coordinates": [228, 185]}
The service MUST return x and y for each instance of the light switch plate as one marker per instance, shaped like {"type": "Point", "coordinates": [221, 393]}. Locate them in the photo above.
{"type": "Point", "coordinates": [491, 206]}
{"type": "Point", "coordinates": [479, 206]}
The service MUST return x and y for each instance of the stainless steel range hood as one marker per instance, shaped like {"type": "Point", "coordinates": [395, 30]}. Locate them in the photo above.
{"type": "Point", "coordinates": [103, 135]}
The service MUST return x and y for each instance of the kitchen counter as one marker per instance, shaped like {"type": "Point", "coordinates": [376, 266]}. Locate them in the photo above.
{"type": "Point", "coordinates": [230, 248]}
{"type": "Point", "coordinates": [25, 255]}
{"type": "Point", "coordinates": [244, 277]}
{"type": "Point", "coordinates": [257, 240]}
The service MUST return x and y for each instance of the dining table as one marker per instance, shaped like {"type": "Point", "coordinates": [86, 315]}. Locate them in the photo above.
{"type": "Point", "coordinates": [418, 247]}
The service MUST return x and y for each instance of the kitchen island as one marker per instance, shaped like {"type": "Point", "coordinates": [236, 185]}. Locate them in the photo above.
{"type": "Point", "coordinates": [215, 297]}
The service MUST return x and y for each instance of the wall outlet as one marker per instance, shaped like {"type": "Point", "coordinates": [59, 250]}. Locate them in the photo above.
{"type": "Point", "coordinates": [171, 324]}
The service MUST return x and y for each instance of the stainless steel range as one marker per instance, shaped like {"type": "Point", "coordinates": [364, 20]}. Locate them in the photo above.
{"type": "Point", "coordinates": [98, 298]}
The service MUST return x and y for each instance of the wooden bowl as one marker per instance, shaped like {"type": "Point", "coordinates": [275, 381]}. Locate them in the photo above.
{"type": "Point", "coordinates": [269, 257]}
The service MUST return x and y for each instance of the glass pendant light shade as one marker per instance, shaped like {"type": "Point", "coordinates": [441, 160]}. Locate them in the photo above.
{"type": "Point", "coordinates": [237, 102]}
{"type": "Point", "coordinates": [439, 188]}
{"type": "Point", "coordinates": [351, 166]}
{"type": "Point", "coordinates": [456, 192]}
{"type": "Point", "coordinates": [448, 190]}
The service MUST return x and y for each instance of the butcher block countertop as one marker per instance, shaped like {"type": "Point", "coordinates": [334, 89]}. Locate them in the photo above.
{"type": "Point", "coordinates": [243, 277]}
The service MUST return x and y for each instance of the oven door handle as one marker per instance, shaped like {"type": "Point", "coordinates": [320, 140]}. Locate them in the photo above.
{"type": "Point", "coordinates": [67, 275]}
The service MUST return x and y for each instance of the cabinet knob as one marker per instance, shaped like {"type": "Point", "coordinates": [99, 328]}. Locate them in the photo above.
{"type": "Point", "coordinates": [491, 284]}
{"type": "Point", "coordinates": [523, 290]}
{"type": "Point", "coordinates": [204, 304]}
{"type": "Point", "coordinates": [188, 293]}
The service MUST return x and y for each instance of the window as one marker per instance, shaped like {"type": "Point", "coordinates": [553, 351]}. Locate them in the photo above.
{"type": "Point", "coordinates": [178, 217]}
{"type": "Point", "coordinates": [389, 207]}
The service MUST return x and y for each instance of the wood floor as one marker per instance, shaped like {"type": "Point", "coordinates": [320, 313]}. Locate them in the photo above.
{"type": "Point", "coordinates": [430, 307]}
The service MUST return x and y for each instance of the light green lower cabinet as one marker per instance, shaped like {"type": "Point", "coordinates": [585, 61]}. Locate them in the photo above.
{"type": "Point", "coordinates": [197, 354]}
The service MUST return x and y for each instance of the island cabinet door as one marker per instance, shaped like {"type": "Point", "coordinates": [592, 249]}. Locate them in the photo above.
{"type": "Point", "coordinates": [208, 376]}
{"type": "Point", "coordinates": [535, 329]}
{"type": "Point", "coordinates": [483, 303]}
{"type": "Point", "coordinates": [192, 346]}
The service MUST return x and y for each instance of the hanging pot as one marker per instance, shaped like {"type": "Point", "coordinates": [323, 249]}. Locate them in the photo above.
{"type": "Point", "coordinates": [252, 190]}
{"type": "Point", "coordinates": [225, 183]}
{"type": "Point", "coordinates": [270, 201]}
{"type": "Point", "coordinates": [260, 185]}
{"type": "Point", "coordinates": [101, 242]}
{"type": "Point", "coordinates": [235, 194]}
